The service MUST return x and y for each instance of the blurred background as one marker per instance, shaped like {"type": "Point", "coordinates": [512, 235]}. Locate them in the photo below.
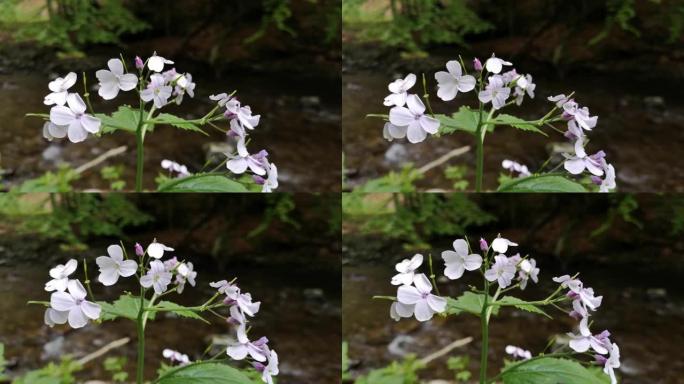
{"type": "Point", "coordinates": [627, 247]}
{"type": "Point", "coordinates": [282, 56]}
{"type": "Point", "coordinates": [623, 58]}
{"type": "Point", "coordinates": [284, 250]}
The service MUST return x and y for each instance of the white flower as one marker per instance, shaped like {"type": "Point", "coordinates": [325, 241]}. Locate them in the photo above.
{"type": "Point", "coordinates": [399, 310]}
{"type": "Point", "coordinates": [574, 285]}
{"type": "Point", "coordinates": [459, 260]}
{"type": "Point", "coordinates": [412, 116]}
{"type": "Point", "coordinates": [585, 340]}
{"type": "Point", "coordinates": [495, 91]}
{"type": "Point", "coordinates": [514, 166]}
{"type": "Point", "coordinates": [230, 290]}
{"type": "Point", "coordinates": [399, 89]}
{"type": "Point", "coordinates": [242, 114]}
{"type": "Point", "coordinates": [52, 131]}
{"type": "Point", "coordinates": [612, 362]}
{"type": "Point", "coordinates": [500, 245]}
{"type": "Point", "coordinates": [271, 369]}
{"type": "Point", "coordinates": [528, 270]}
{"type": "Point", "coordinates": [580, 161]}
{"type": "Point", "coordinates": [184, 85]}
{"type": "Point", "coordinates": [522, 86]}
{"type": "Point", "coordinates": [222, 98]}
{"type": "Point", "coordinates": [59, 88]}
{"type": "Point", "coordinates": [244, 302]}
{"type": "Point", "coordinates": [156, 63]}
{"type": "Point", "coordinates": [495, 65]}
{"type": "Point", "coordinates": [426, 304]}
{"type": "Point", "coordinates": [518, 352]}
{"type": "Point", "coordinates": [244, 347]}
{"type": "Point", "coordinates": [239, 164]}
{"type": "Point", "coordinates": [449, 83]}
{"type": "Point", "coordinates": [74, 302]}
{"type": "Point", "coordinates": [406, 269]}
{"type": "Point", "coordinates": [60, 276]}
{"type": "Point", "coordinates": [114, 80]}
{"type": "Point", "coordinates": [79, 123]}
{"type": "Point", "coordinates": [53, 317]}
{"type": "Point", "coordinates": [185, 274]}
{"type": "Point", "coordinates": [157, 250]}
{"type": "Point", "coordinates": [114, 266]}
{"type": "Point", "coordinates": [157, 277]}
{"type": "Point", "coordinates": [175, 356]}
{"type": "Point", "coordinates": [608, 183]}
{"type": "Point", "coordinates": [503, 271]}
{"type": "Point", "coordinates": [157, 90]}
{"type": "Point", "coordinates": [174, 167]}
{"type": "Point", "coordinates": [271, 181]}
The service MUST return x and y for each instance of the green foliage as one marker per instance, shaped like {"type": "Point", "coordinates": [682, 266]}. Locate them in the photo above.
{"type": "Point", "coordinates": [276, 12]}
{"type": "Point", "coordinates": [404, 372]}
{"type": "Point", "coordinates": [116, 367]}
{"type": "Point", "coordinates": [202, 183]}
{"type": "Point", "coordinates": [456, 174]}
{"type": "Point", "coordinates": [204, 373]}
{"type": "Point", "coordinates": [622, 13]}
{"type": "Point", "coordinates": [178, 122]}
{"type": "Point", "coordinates": [113, 175]}
{"type": "Point", "coordinates": [523, 305]}
{"type": "Point", "coordinates": [548, 183]}
{"type": "Point", "coordinates": [62, 373]}
{"type": "Point", "coordinates": [623, 207]}
{"type": "Point", "coordinates": [70, 25]}
{"type": "Point", "coordinates": [179, 310]}
{"type": "Point", "coordinates": [518, 123]}
{"type": "Point", "coordinates": [279, 207]}
{"type": "Point", "coordinates": [3, 362]}
{"type": "Point", "coordinates": [468, 302]}
{"type": "Point", "coordinates": [464, 120]}
{"type": "Point", "coordinates": [403, 181]}
{"type": "Point", "coordinates": [345, 361]}
{"type": "Point", "coordinates": [51, 182]}
{"type": "Point", "coordinates": [459, 364]}
{"type": "Point", "coordinates": [125, 119]}
{"type": "Point", "coordinates": [550, 370]}
{"type": "Point", "coordinates": [126, 306]}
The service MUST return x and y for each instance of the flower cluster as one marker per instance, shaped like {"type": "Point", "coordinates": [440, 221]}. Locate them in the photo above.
{"type": "Point", "coordinates": [265, 360]}
{"type": "Point", "coordinates": [68, 299]}
{"type": "Point", "coordinates": [515, 167]}
{"type": "Point", "coordinates": [175, 168]}
{"type": "Point", "coordinates": [584, 301]}
{"type": "Point", "coordinates": [414, 295]}
{"type": "Point", "coordinates": [176, 357]}
{"type": "Point", "coordinates": [518, 353]}
{"type": "Point", "coordinates": [407, 117]}
{"type": "Point", "coordinates": [579, 122]}
{"type": "Point", "coordinates": [241, 122]}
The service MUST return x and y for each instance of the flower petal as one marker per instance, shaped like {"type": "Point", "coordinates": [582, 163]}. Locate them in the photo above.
{"type": "Point", "coordinates": [61, 115]}
{"type": "Point", "coordinates": [116, 66]}
{"type": "Point", "coordinates": [128, 268]}
{"type": "Point", "coordinates": [128, 82]}
{"type": "Point", "coordinates": [77, 319]}
{"type": "Point", "coordinates": [76, 103]}
{"type": "Point", "coordinates": [62, 301]}
{"type": "Point", "coordinates": [407, 294]}
{"type": "Point", "coordinates": [76, 133]}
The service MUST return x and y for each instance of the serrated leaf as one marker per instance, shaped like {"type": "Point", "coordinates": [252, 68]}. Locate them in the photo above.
{"type": "Point", "coordinates": [549, 183]}
{"type": "Point", "coordinates": [464, 120]}
{"type": "Point", "coordinates": [202, 183]}
{"type": "Point", "coordinates": [126, 306]}
{"type": "Point", "coordinates": [515, 122]}
{"type": "Point", "coordinates": [522, 304]}
{"type": "Point", "coordinates": [469, 302]}
{"type": "Point", "coordinates": [204, 373]}
{"type": "Point", "coordinates": [180, 310]}
{"type": "Point", "coordinates": [549, 370]}
{"type": "Point", "coordinates": [178, 122]}
{"type": "Point", "coordinates": [125, 118]}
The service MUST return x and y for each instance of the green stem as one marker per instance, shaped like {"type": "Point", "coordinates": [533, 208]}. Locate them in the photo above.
{"type": "Point", "coordinates": [140, 140]}
{"type": "Point", "coordinates": [141, 338]}
{"type": "Point", "coordinates": [484, 322]}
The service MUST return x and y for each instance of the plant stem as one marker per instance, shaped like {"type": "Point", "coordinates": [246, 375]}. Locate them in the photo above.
{"type": "Point", "coordinates": [484, 322]}
{"type": "Point", "coordinates": [140, 139]}
{"type": "Point", "coordinates": [141, 339]}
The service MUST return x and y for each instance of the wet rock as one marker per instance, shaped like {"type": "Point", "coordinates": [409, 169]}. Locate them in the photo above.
{"type": "Point", "coordinates": [396, 154]}
{"type": "Point", "coordinates": [656, 293]}
{"type": "Point", "coordinates": [654, 101]}
{"type": "Point", "coordinates": [398, 345]}
{"type": "Point", "coordinates": [314, 294]}
{"type": "Point", "coordinates": [310, 101]}
{"type": "Point", "coordinates": [53, 153]}
{"type": "Point", "coordinates": [53, 349]}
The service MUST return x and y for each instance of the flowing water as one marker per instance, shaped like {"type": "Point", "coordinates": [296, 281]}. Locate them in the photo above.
{"type": "Point", "coordinates": [299, 127]}
{"type": "Point", "coordinates": [299, 314]}
{"type": "Point", "coordinates": [644, 312]}
{"type": "Point", "coordinates": [640, 127]}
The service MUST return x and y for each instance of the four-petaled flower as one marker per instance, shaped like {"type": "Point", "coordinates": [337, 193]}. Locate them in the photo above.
{"type": "Point", "coordinates": [157, 250]}
{"type": "Point", "coordinates": [156, 63]}
{"type": "Point", "coordinates": [449, 83]}
{"type": "Point", "coordinates": [500, 245]}
{"type": "Point", "coordinates": [239, 164]}
{"type": "Point", "coordinates": [59, 88]}
{"type": "Point", "coordinates": [528, 271]}
{"type": "Point", "coordinates": [244, 347]}
{"type": "Point", "coordinates": [114, 79]}
{"type": "Point", "coordinates": [399, 89]}
{"type": "Point", "coordinates": [60, 276]}
{"type": "Point", "coordinates": [459, 260]}
{"type": "Point", "coordinates": [418, 124]}
{"type": "Point", "coordinates": [185, 273]}
{"type": "Point", "coordinates": [580, 161]}
{"type": "Point", "coordinates": [585, 340]}
{"type": "Point", "coordinates": [425, 303]}
{"type": "Point", "coordinates": [495, 91]}
{"type": "Point", "coordinates": [157, 277]}
{"type": "Point", "coordinates": [77, 122]}
{"type": "Point", "coordinates": [73, 303]}
{"type": "Point", "coordinates": [114, 265]}
{"type": "Point", "coordinates": [502, 271]}
{"type": "Point", "coordinates": [495, 65]}
{"type": "Point", "coordinates": [406, 269]}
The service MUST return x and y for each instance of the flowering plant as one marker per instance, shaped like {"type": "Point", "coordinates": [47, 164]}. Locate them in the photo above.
{"type": "Point", "coordinates": [415, 298]}
{"type": "Point", "coordinates": [411, 118]}
{"type": "Point", "coordinates": [72, 117]}
{"type": "Point", "coordinates": [72, 303]}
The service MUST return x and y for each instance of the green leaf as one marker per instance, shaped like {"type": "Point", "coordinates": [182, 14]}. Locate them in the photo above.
{"type": "Point", "coordinates": [548, 183]}
{"type": "Point", "coordinates": [549, 370]}
{"type": "Point", "coordinates": [202, 183]}
{"type": "Point", "coordinates": [464, 120]}
{"type": "Point", "coordinates": [125, 118]}
{"type": "Point", "coordinates": [504, 119]}
{"type": "Point", "coordinates": [126, 306]}
{"type": "Point", "coordinates": [180, 310]}
{"type": "Point", "coordinates": [204, 373]}
{"type": "Point", "coordinates": [469, 302]}
{"type": "Point", "coordinates": [178, 122]}
{"type": "Point", "coordinates": [522, 304]}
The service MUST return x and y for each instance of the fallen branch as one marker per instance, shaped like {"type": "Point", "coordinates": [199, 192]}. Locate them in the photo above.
{"type": "Point", "coordinates": [103, 157]}
{"type": "Point", "coordinates": [113, 345]}
{"type": "Point", "coordinates": [443, 159]}
{"type": "Point", "coordinates": [436, 355]}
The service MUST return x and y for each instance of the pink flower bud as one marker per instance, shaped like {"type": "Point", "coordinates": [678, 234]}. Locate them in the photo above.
{"type": "Point", "coordinates": [477, 64]}
{"type": "Point", "coordinates": [139, 63]}
{"type": "Point", "coordinates": [258, 179]}
{"type": "Point", "coordinates": [139, 249]}
{"type": "Point", "coordinates": [484, 247]}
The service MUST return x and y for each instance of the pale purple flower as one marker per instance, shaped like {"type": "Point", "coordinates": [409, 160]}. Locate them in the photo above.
{"type": "Point", "coordinates": [114, 79]}
{"type": "Point", "coordinates": [244, 347]}
{"type": "Point", "coordinates": [157, 277]}
{"type": "Point", "coordinates": [477, 64]}
{"type": "Point", "coordinates": [230, 290]}
{"type": "Point", "coordinates": [243, 160]}
{"type": "Point", "coordinates": [528, 271]}
{"type": "Point", "coordinates": [399, 310]}
{"type": "Point", "coordinates": [518, 352]}
{"type": "Point", "coordinates": [495, 65]}
{"type": "Point", "coordinates": [495, 92]}
{"type": "Point", "coordinates": [234, 111]}
{"type": "Point", "coordinates": [399, 89]}
{"type": "Point", "coordinates": [558, 99]}
{"type": "Point", "coordinates": [426, 304]}
{"type": "Point", "coordinates": [244, 302]}
{"type": "Point", "coordinates": [502, 271]}
{"type": "Point", "coordinates": [176, 357]}
{"type": "Point", "coordinates": [608, 182]}
{"type": "Point", "coordinates": [413, 117]}
{"type": "Point", "coordinates": [114, 265]}
{"type": "Point", "coordinates": [79, 123]}
{"type": "Point", "coordinates": [584, 340]}
{"type": "Point", "coordinates": [574, 285]}
{"type": "Point", "coordinates": [139, 251]}
{"type": "Point", "coordinates": [59, 88]}
{"type": "Point", "coordinates": [270, 369]}
{"type": "Point", "coordinates": [500, 245]}
{"type": "Point", "coordinates": [581, 115]}
{"type": "Point", "coordinates": [406, 269]}
{"type": "Point", "coordinates": [391, 131]}
{"type": "Point", "coordinates": [171, 264]}
{"type": "Point", "coordinates": [449, 83]}
{"type": "Point", "coordinates": [612, 362]}
{"type": "Point", "coordinates": [157, 250]}
{"type": "Point", "coordinates": [185, 273]}
{"type": "Point", "coordinates": [271, 182]}
{"type": "Point", "coordinates": [222, 98]}
{"type": "Point", "coordinates": [53, 317]}
{"type": "Point", "coordinates": [522, 86]}
{"type": "Point", "coordinates": [139, 63]}
{"type": "Point", "coordinates": [460, 260]}
{"type": "Point", "coordinates": [514, 166]}
{"type": "Point", "coordinates": [52, 131]}
{"type": "Point", "coordinates": [509, 76]}
{"type": "Point", "coordinates": [156, 63]}
{"type": "Point", "coordinates": [157, 90]}
{"type": "Point", "coordinates": [74, 303]}
{"type": "Point", "coordinates": [174, 167]}
{"type": "Point", "coordinates": [184, 85]}
{"type": "Point", "coordinates": [60, 276]}
{"type": "Point", "coordinates": [580, 161]}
